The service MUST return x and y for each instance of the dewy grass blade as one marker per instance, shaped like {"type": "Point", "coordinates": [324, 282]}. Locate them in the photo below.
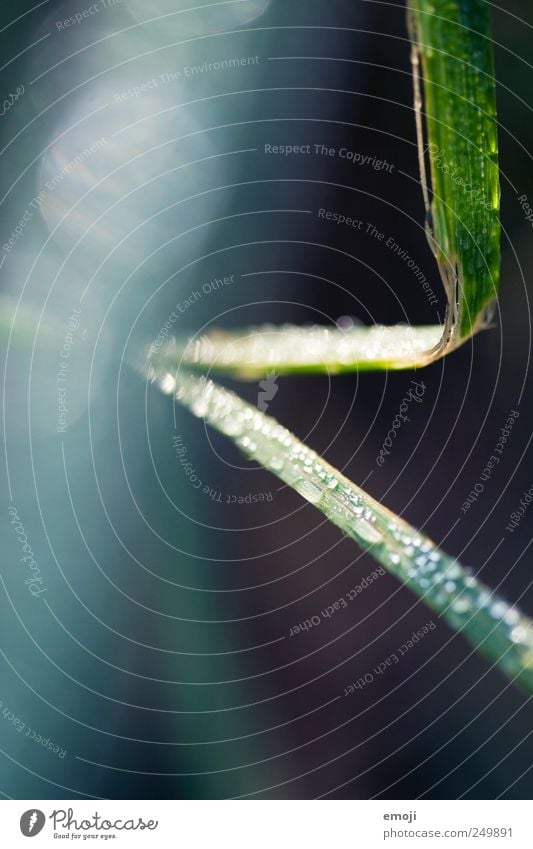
{"type": "Point", "coordinates": [492, 626]}
{"type": "Point", "coordinates": [289, 349]}
{"type": "Point", "coordinates": [456, 107]}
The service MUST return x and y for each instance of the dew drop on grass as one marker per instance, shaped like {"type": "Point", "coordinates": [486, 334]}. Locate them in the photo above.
{"type": "Point", "coordinates": [231, 426]}
{"type": "Point", "coordinates": [453, 591]}
{"type": "Point", "coordinates": [453, 571]}
{"type": "Point", "coordinates": [498, 609]}
{"type": "Point", "coordinates": [512, 616]}
{"type": "Point", "coordinates": [199, 407]}
{"type": "Point", "coordinates": [519, 634]}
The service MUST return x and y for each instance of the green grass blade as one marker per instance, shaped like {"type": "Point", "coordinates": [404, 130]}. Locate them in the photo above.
{"type": "Point", "coordinates": [492, 626]}
{"type": "Point", "coordinates": [456, 111]}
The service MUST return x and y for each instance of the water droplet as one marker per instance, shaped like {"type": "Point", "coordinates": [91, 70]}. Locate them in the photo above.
{"type": "Point", "coordinates": [461, 605]}
{"type": "Point", "coordinates": [247, 445]}
{"type": "Point", "coordinates": [512, 617]}
{"type": "Point", "coordinates": [453, 571]}
{"type": "Point", "coordinates": [498, 609]}
{"type": "Point", "coordinates": [519, 634]}
{"type": "Point", "coordinates": [345, 322]}
{"type": "Point", "coordinates": [308, 490]}
{"type": "Point", "coordinates": [230, 426]}
{"type": "Point", "coordinates": [199, 407]}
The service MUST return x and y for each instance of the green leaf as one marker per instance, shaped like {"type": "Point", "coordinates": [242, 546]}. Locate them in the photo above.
{"type": "Point", "coordinates": [493, 627]}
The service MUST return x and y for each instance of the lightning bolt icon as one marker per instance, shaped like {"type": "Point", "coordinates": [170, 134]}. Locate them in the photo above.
{"type": "Point", "coordinates": [33, 820]}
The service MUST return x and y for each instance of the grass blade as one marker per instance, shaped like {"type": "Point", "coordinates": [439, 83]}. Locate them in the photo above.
{"type": "Point", "coordinates": [492, 626]}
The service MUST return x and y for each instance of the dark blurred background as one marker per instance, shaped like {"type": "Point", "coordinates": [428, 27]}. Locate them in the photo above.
{"type": "Point", "coordinates": [154, 652]}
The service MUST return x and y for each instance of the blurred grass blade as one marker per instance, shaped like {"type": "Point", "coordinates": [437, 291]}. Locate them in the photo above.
{"type": "Point", "coordinates": [456, 111]}
{"type": "Point", "coordinates": [455, 107]}
{"type": "Point", "coordinates": [493, 627]}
